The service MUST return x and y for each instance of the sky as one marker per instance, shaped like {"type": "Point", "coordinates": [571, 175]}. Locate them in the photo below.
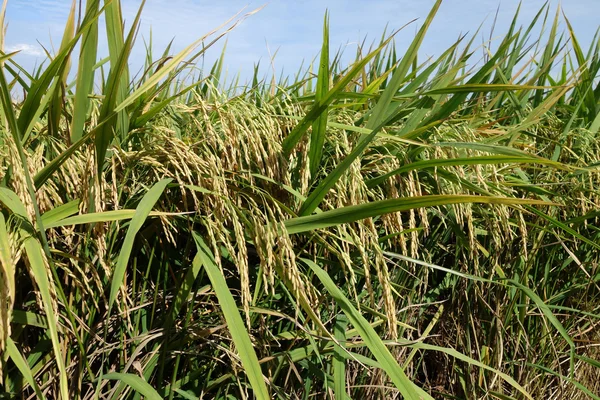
{"type": "Point", "coordinates": [289, 29]}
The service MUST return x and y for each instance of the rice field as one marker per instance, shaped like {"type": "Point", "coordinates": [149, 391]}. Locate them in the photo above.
{"type": "Point", "coordinates": [393, 228]}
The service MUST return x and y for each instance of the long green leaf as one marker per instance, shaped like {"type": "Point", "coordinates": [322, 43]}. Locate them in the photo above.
{"type": "Point", "coordinates": [575, 383]}
{"type": "Point", "coordinates": [299, 130]}
{"type": "Point", "coordinates": [21, 364]}
{"type": "Point", "coordinates": [316, 196]}
{"type": "Point", "coordinates": [85, 73]}
{"type": "Point", "coordinates": [37, 264]}
{"type": "Point", "coordinates": [482, 88]}
{"type": "Point", "coordinates": [55, 105]}
{"type": "Point", "coordinates": [60, 212]}
{"type": "Point", "coordinates": [388, 363]}
{"type": "Point", "coordinates": [7, 281]}
{"type": "Point", "coordinates": [319, 127]}
{"type": "Point", "coordinates": [50, 168]}
{"type": "Point", "coordinates": [447, 162]}
{"type": "Point", "coordinates": [173, 63]}
{"type": "Point", "coordinates": [380, 110]}
{"type": "Point", "coordinates": [136, 383]}
{"type": "Point", "coordinates": [40, 90]}
{"type": "Point", "coordinates": [93, 218]}
{"type": "Point", "coordinates": [141, 213]}
{"type": "Point", "coordinates": [373, 209]}
{"type": "Point", "coordinates": [339, 359]}
{"type": "Point", "coordinates": [33, 248]}
{"type": "Point", "coordinates": [551, 317]}
{"type": "Point", "coordinates": [238, 331]}
{"type": "Point", "coordinates": [377, 121]}
{"type": "Point", "coordinates": [116, 87]}
{"type": "Point", "coordinates": [119, 49]}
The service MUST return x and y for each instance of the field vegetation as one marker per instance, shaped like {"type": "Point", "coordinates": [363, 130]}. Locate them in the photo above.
{"type": "Point", "coordinates": [397, 227]}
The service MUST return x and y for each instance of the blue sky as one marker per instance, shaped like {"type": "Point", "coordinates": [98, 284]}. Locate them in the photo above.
{"type": "Point", "coordinates": [291, 28]}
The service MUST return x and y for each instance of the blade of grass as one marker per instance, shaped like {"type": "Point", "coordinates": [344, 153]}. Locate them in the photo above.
{"type": "Point", "coordinates": [377, 120]}
{"type": "Point", "coordinates": [119, 49]}
{"type": "Point", "coordinates": [319, 127]}
{"type": "Point", "coordinates": [339, 359]}
{"type": "Point", "coordinates": [55, 105]}
{"type": "Point", "coordinates": [586, 79]}
{"type": "Point", "coordinates": [50, 168]}
{"type": "Point", "coordinates": [299, 130]}
{"type": "Point", "coordinates": [116, 85]}
{"type": "Point", "coordinates": [568, 379]}
{"type": "Point", "coordinates": [136, 383]}
{"type": "Point", "coordinates": [552, 318]}
{"type": "Point", "coordinates": [381, 353]}
{"type": "Point", "coordinates": [38, 94]}
{"type": "Point", "coordinates": [236, 326]}
{"type": "Point", "coordinates": [458, 355]}
{"type": "Point", "coordinates": [33, 248]}
{"type": "Point", "coordinates": [85, 73]}
{"type": "Point", "coordinates": [173, 63]}
{"type": "Point", "coordinates": [379, 113]}
{"type": "Point", "coordinates": [37, 263]}
{"type": "Point", "coordinates": [7, 283]}
{"type": "Point", "coordinates": [15, 355]}
{"type": "Point", "coordinates": [353, 213]}
{"type": "Point", "coordinates": [483, 160]}
{"type": "Point", "coordinates": [141, 213]}
{"type": "Point", "coordinates": [105, 216]}
{"type": "Point", "coordinates": [60, 212]}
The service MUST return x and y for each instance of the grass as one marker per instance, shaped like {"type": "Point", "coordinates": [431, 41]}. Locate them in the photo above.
{"type": "Point", "coordinates": [392, 228]}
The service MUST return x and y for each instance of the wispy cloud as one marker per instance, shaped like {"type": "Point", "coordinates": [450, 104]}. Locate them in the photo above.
{"type": "Point", "coordinates": [25, 49]}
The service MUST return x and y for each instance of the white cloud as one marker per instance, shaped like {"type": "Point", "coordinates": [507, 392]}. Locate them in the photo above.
{"type": "Point", "coordinates": [25, 49]}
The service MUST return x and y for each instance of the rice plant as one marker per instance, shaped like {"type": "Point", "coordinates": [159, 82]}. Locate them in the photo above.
{"type": "Point", "coordinates": [391, 228]}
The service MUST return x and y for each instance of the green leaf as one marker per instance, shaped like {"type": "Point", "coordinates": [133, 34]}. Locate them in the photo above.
{"type": "Point", "coordinates": [347, 214]}
{"type": "Point", "coordinates": [458, 355]}
{"type": "Point", "coordinates": [482, 88]}
{"type": "Point", "coordinates": [172, 64]}
{"type": "Point", "coordinates": [60, 212]}
{"type": "Point", "coordinates": [447, 162]}
{"type": "Point", "coordinates": [136, 383]}
{"type": "Point", "coordinates": [38, 268]}
{"type": "Point", "coordinates": [238, 331]}
{"type": "Point", "coordinates": [380, 111]}
{"type": "Point", "coordinates": [319, 127]}
{"type": "Point", "coordinates": [316, 196]}
{"type": "Point", "coordinates": [299, 130]}
{"type": "Point", "coordinates": [116, 86]}
{"type": "Point", "coordinates": [377, 121]}
{"type": "Point", "coordinates": [105, 216]}
{"type": "Point", "coordinates": [184, 289]}
{"type": "Point", "coordinates": [12, 202]}
{"type": "Point", "coordinates": [551, 317]}
{"type": "Point", "coordinates": [587, 79]}
{"type": "Point", "coordinates": [85, 73]}
{"type": "Point", "coordinates": [39, 271]}
{"type": "Point", "coordinates": [56, 101]}
{"type": "Point", "coordinates": [15, 355]}
{"type": "Point", "coordinates": [40, 89]}
{"type": "Point", "coordinates": [7, 275]}
{"type": "Point", "coordinates": [575, 383]}
{"type": "Point", "coordinates": [381, 353]}
{"type": "Point", "coordinates": [141, 213]}
{"type": "Point", "coordinates": [339, 359]}
{"type": "Point", "coordinates": [119, 49]}
{"type": "Point", "coordinates": [50, 168]}
{"type": "Point", "coordinates": [29, 318]}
